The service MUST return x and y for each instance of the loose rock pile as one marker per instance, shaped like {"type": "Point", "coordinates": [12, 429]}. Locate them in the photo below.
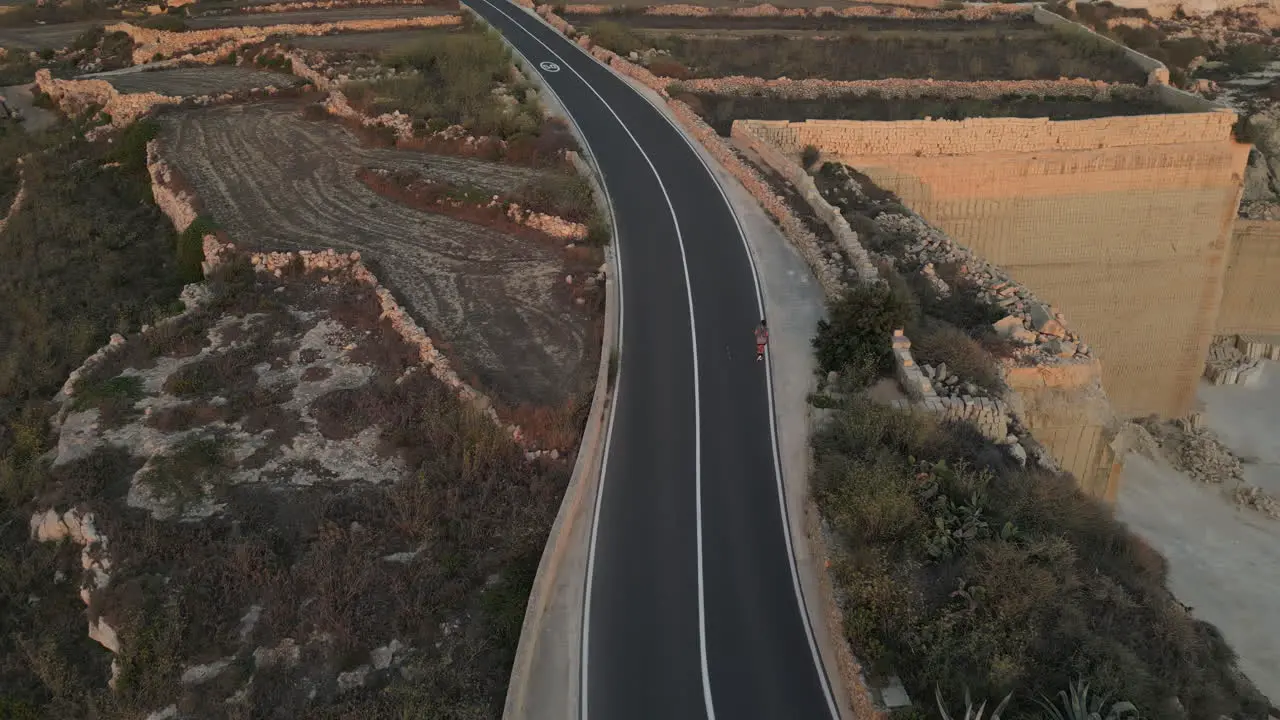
{"type": "Point", "coordinates": [1195, 451]}
{"type": "Point", "coordinates": [1227, 365]}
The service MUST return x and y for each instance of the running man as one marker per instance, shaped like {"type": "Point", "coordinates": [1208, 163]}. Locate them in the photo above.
{"type": "Point", "coordinates": [762, 339]}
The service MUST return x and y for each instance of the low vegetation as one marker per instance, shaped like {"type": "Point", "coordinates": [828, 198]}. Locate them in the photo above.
{"type": "Point", "coordinates": [960, 570]}
{"type": "Point", "coordinates": [422, 537]}
{"type": "Point", "coordinates": [92, 257]}
{"type": "Point", "coordinates": [975, 55]}
{"type": "Point", "coordinates": [721, 110]}
{"type": "Point", "coordinates": [450, 79]}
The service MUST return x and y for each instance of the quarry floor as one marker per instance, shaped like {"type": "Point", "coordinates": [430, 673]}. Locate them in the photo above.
{"type": "Point", "coordinates": [1224, 560]}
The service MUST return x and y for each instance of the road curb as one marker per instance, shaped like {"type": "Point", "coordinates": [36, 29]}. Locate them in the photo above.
{"type": "Point", "coordinates": [578, 504]}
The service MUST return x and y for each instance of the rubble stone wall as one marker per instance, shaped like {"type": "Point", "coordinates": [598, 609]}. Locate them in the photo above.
{"type": "Point", "coordinates": [922, 9]}
{"type": "Point", "coordinates": [148, 43]}
{"type": "Point", "coordinates": [1251, 285]}
{"type": "Point", "coordinates": [812, 88]}
{"type": "Point", "coordinates": [1122, 223]}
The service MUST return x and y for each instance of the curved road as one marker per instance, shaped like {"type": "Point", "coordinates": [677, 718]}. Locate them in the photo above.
{"type": "Point", "coordinates": [692, 608]}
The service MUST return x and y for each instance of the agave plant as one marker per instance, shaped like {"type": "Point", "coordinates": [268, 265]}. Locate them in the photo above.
{"type": "Point", "coordinates": [970, 712]}
{"type": "Point", "coordinates": [1079, 706]}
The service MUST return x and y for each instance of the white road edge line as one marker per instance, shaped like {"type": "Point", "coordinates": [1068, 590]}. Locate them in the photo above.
{"type": "Point", "coordinates": [773, 428]}
{"type": "Point", "coordinates": [697, 404]}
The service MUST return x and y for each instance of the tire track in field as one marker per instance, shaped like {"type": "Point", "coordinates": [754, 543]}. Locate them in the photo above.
{"type": "Point", "coordinates": [276, 181]}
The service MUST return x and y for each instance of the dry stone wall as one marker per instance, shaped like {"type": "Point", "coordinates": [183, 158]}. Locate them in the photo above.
{"type": "Point", "coordinates": [148, 43]}
{"type": "Point", "coordinates": [894, 10]}
{"type": "Point", "coordinates": [1123, 223]}
{"type": "Point", "coordinates": [894, 88]}
{"type": "Point", "coordinates": [180, 208]}
{"type": "Point", "coordinates": [74, 97]}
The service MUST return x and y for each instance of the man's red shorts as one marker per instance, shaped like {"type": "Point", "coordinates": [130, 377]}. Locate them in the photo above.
{"type": "Point", "coordinates": [759, 348]}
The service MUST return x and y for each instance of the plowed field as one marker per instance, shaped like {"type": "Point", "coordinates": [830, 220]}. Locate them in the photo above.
{"type": "Point", "coordinates": [274, 180]}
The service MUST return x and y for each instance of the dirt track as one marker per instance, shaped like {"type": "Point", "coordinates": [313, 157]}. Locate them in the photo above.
{"type": "Point", "coordinates": [499, 304]}
{"type": "Point", "coordinates": [198, 80]}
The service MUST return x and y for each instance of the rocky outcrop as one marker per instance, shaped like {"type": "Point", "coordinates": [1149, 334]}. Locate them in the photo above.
{"type": "Point", "coordinates": [79, 527]}
{"type": "Point", "coordinates": [75, 97]}
{"type": "Point", "coordinates": [148, 43]}
{"type": "Point", "coordinates": [330, 263]}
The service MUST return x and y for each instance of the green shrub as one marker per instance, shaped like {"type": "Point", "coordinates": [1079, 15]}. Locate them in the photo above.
{"type": "Point", "coordinates": [615, 37]}
{"type": "Point", "coordinates": [190, 249]}
{"type": "Point", "coordinates": [1002, 580]}
{"type": "Point", "coordinates": [1242, 59]}
{"type": "Point", "coordinates": [809, 156]}
{"type": "Point", "coordinates": [860, 327]}
{"type": "Point", "coordinates": [167, 23]}
{"type": "Point", "coordinates": [131, 146]}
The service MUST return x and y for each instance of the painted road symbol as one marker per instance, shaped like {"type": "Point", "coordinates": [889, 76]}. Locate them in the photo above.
{"type": "Point", "coordinates": [548, 66]}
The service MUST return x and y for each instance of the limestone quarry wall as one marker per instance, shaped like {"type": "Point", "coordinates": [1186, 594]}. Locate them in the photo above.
{"type": "Point", "coordinates": [1124, 223]}
{"type": "Point", "coordinates": [1251, 285]}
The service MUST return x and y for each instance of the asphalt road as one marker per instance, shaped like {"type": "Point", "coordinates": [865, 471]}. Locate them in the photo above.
{"type": "Point", "coordinates": [692, 608]}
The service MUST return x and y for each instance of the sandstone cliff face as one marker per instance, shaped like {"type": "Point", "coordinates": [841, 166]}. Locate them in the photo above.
{"type": "Point", "coordinates": [1095, 215]}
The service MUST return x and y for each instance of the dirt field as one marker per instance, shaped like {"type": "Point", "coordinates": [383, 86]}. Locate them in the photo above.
{"type": "Point", "coordinates": [40, 37]}
{"type": "Point", "coordinates": [361, 41]}
{"type": "Point", "coordinates": [721, 111]}
{"type": "Point", "coordinates": [316, 16]}
{"type": "Point", "coordinates": [199, 80]}
{"type": "Point", "coordinates": [500, 306]}
{"type": "Point", "coordinates": [985, 55]}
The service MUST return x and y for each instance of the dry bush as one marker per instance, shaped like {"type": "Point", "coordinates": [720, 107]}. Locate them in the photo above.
{"type": "Point", "coordinates": [941, 342]}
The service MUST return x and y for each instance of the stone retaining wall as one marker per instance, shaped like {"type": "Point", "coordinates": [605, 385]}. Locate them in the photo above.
{"type": "Point", "coordinates": [73, 97]}
{"type": "Point", "coordinates": [148, 43]}
{"type": "Point", "coordinates": [894, 88]}
{"type": "Point", "coordinates": [180, 208]}
{"type": "Point", "coordinates": [989, 415]}
{"type": "Point", "coordinates": [969, 12]}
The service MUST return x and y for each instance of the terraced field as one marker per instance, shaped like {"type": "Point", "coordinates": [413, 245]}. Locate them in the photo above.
{"type": "Point", "coordinates": [500, 304]}
{"type": "Point", "coordinates": [362, 41]}
{"type": "Point", "coordinates": [317, 16]}
{"type": "Point", "coordinates": [208, 80]}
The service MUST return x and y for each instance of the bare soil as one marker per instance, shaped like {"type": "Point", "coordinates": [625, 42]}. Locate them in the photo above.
{"type": "Point", "coordinates": [720, 111]}
{"type": "Point", "coordinates": [500, 306]}
{"type": "Point", "coordinates": [209, 80]}
{"type": "Point", "coordinates": [317, 16]}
